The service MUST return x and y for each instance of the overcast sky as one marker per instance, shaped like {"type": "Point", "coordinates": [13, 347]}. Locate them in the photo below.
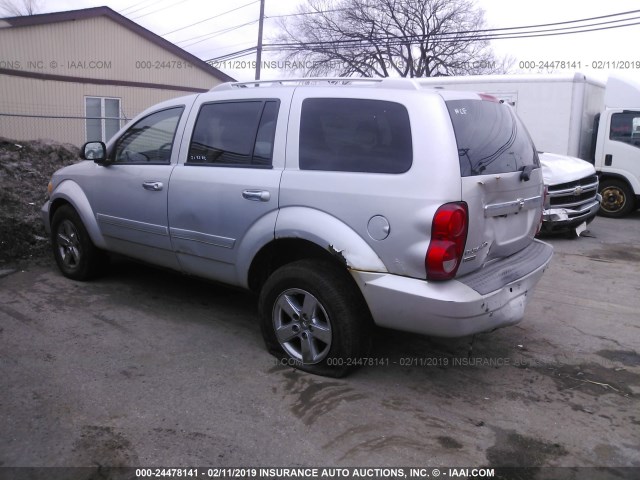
{"type": "Point", "coordinates": [597, 52]}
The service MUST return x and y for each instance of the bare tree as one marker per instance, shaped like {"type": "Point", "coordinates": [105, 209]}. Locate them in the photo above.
{"type": "Point", "coordinates": [19, 8]}
{"type": "Point", "coordinates": [407, 38]}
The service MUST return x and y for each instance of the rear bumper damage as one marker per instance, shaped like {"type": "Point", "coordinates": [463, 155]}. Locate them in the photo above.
{"type": "Point", "coordinates": [493, 297]}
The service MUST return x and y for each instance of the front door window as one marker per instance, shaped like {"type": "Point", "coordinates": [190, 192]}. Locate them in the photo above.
{"type": "Point", "coordinates": [150, 140]}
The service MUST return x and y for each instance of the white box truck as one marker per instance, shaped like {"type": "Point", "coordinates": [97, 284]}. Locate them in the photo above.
{"type": "Point", "coordinates": [576, 116]}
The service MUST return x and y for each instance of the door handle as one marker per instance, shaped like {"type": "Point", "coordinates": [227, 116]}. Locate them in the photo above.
{"type": "Point", "coordinates": [153, 186]}
{"type": "Point", "coordinates": [257, 195]}
{"type": "Point", "coordinates": [608, 160]}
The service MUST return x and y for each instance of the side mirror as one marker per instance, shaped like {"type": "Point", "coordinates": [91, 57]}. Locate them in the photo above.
{"type": "Point", "coordinates": [96, 151]}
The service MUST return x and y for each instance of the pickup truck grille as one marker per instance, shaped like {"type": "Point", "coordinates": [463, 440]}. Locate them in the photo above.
{"type": "Point", "coordinates": [573, 194]}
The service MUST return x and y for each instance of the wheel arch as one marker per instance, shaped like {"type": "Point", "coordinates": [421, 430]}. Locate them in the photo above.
{"type": "Point", "coordinates": [309, 233]}
{"type": "Point", "coordinates": [70, 193]}
{"type": "Point", "coordinates": [633, 183]}
{"type": "Point", "coordinates": [282, 251]}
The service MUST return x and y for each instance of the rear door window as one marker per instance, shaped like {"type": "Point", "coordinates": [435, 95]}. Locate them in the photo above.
{"type": "Point", "coordinates": [238, 134]}
{"type": "Point", "coordinates": [490, 138]}
{"type": "Point", "coordinates": [355, 135]}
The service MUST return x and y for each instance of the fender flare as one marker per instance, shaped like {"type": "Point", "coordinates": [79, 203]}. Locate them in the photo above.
{"type": "Point", "coordinates": [258, 235]}
{"type": "Point", "coordinates": [331, 234]}
{"type": "Point", "coordinates": [71, 193]}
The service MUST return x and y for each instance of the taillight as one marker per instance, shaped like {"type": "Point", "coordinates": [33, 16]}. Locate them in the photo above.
{"type": "Point", "coordinates": [448, 237]}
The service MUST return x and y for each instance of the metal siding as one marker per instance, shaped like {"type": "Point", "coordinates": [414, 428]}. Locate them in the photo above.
{"type": "Point", "coordinates": [66, 48]}
{"type": "Point", "coordinates": [36, 97]}
{"type": "Point", "coordinates": [60, 49]}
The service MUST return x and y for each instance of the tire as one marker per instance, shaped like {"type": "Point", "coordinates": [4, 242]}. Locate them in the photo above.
{"type": "Point", "coordinates": [314, 318]}
{"type": "Point", "coordinates": [76, 255]}
{"type": "Point", "coordinates": [618, 199]}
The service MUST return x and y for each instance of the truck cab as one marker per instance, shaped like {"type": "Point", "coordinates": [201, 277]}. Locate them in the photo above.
{"type": "Point", "coordinates": [617, 148]}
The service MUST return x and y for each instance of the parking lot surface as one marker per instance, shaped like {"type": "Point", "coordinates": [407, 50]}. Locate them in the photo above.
{"type": "Point", "coordinates": [148, 368]}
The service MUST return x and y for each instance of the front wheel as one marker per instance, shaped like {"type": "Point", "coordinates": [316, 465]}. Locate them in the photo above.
{"type": "Point", "coordinates": [617, 198]}
{"type": "Point", "coordinates": [76, 255]}
{"type": "Point", "coordinates": [314, 318]}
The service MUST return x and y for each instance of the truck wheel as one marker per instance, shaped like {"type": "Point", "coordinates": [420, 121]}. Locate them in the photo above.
{"type": "Point", "coordinates": [313, 318]}
{"type": "Point", "coordinates": [76, 255]}
{"type": "Point", "coordinates": [617, 199]}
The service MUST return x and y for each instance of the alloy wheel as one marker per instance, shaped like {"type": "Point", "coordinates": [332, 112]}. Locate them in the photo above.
{"type": "Point", "coordinates": [302, 326]}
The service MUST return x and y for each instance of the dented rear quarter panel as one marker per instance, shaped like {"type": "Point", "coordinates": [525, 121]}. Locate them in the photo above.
{"type": "Point", "coordinates": [334, 208]}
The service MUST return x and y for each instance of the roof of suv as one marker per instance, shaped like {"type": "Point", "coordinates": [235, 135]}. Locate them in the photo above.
{"type": "Point", "coordinates": [386, 83]}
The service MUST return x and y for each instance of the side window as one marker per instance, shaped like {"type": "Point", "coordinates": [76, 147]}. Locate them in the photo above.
{"type": "Point", "coordinates": [355, 135]}
{"type": "Point", "coordinates": [625, 127]}
{"type": "Point", "coordinates": [149, 140]}
{"type": "Point", "coordinates": [234, 134]}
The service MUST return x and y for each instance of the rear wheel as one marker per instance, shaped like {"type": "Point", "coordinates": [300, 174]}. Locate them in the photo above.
{"type": "Point", "coordinates": [617, 198]}
{"type": "Point", "coordinates": [76, 255]}
{"type": "Point", "coordinates": [313, 318]}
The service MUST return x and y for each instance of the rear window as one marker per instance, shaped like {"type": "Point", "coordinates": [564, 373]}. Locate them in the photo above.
{"type": "Point", "coordinates": [355, 135]}
{"type": "Point", "coordinates": [491, 139]}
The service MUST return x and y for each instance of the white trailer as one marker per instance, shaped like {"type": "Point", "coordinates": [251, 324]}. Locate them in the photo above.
{"type": "Point", "coordinates": [576, 116]}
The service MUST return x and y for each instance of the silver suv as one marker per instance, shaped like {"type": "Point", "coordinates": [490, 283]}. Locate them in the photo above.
{"type": "Point", "coordinates": [343, 203]}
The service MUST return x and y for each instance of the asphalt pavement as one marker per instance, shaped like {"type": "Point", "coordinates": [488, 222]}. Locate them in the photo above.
{"type": "Point", "coordinates": [148, 368]}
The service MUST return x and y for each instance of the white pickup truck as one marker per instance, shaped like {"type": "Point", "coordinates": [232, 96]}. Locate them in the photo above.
{"type": "Point", "coordinates": [573, 199]}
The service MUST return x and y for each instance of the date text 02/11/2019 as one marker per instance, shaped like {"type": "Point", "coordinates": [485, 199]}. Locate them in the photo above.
{"type": "Point", "coordinates": [314, 472]}
{"type": "Point", "coordinates": [383, 362]}
{"type": "Point", "coordinates": [577, 65]}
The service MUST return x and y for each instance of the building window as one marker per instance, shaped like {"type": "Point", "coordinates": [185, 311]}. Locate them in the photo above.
{"type": "Point", "coordinates": [103, 118]}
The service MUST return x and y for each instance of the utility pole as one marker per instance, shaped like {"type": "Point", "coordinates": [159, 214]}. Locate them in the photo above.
{"type": "Point", "coordinates": [259, 49]}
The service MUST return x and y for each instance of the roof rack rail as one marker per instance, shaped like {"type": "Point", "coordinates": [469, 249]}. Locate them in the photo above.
{"type": "Point", "coordinates": [399, 83]}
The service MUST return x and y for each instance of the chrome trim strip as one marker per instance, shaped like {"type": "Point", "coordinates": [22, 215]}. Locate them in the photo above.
{"type": "Point", "coordinates": [570, 191]}
{"type": "Point", "coordinates": [133, 225]}
{"type": "Point", "coordinates": [498, 209]}
{"type": "Point", "coordinates": [200, 237]}
{"type": "Point", "coordinates": [576, 204]}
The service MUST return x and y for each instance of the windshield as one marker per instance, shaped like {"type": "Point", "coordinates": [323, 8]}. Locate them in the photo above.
{"type": "Point", "coordinates": [491, 139]}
